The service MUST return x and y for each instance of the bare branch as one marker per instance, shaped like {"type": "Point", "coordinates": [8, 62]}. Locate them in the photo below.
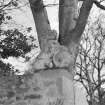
{"type": "Point", "coordinates": [6, 5]}
{"type": "Point", "coordinates": [98, 4]}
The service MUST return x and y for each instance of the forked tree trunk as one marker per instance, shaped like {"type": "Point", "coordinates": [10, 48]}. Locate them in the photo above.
{"type": "Point", "coordinates": [70, 31]}
{"type": "Point", "coordinates": [40, 21]}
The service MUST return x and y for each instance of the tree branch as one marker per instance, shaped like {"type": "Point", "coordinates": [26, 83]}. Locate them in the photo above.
{"type": "Point", "coordinates": [67, 16]}
{"type": "Point", "coordinates": [41, 19]}
{"type": "Point", "coordinates": [6, 5]}
{"type": "Point", "coordinates": [76, 34]}
{"type": "Point", "coordinates": [98, 4]}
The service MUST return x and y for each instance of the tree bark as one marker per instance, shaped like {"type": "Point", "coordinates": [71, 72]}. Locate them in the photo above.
{"type": "Point", "coordinates": [67, 18]}
{"type": "Point", "coordinates": [41, 19]}
{"type": "Point", "coordinates": [75, 34]}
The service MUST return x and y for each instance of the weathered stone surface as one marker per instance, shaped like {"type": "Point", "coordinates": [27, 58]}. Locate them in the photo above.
{"type": "Point", "coordinates": [50, 87]}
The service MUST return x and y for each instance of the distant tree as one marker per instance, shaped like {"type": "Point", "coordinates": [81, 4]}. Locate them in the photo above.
{"type": "Point", "coordinates": [91, 62]}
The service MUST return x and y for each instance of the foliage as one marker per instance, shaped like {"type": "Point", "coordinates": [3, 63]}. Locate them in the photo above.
{"type": "Point", "coordinates": [5, 69]}
{"type": "Point", "coordinates": [14, 44]}
{"type": "Point", "coordinates": [13, 41]}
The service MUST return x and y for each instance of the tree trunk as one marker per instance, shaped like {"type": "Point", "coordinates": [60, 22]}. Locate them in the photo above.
{"type": "Point", "coordinates": [43, 28]}
{"type": "Point", "coordinates": [67, 18]}
{"type": "Point", "coordinates": [56, 57]}
{"type": "Point", "coordinates": [41, 19]}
